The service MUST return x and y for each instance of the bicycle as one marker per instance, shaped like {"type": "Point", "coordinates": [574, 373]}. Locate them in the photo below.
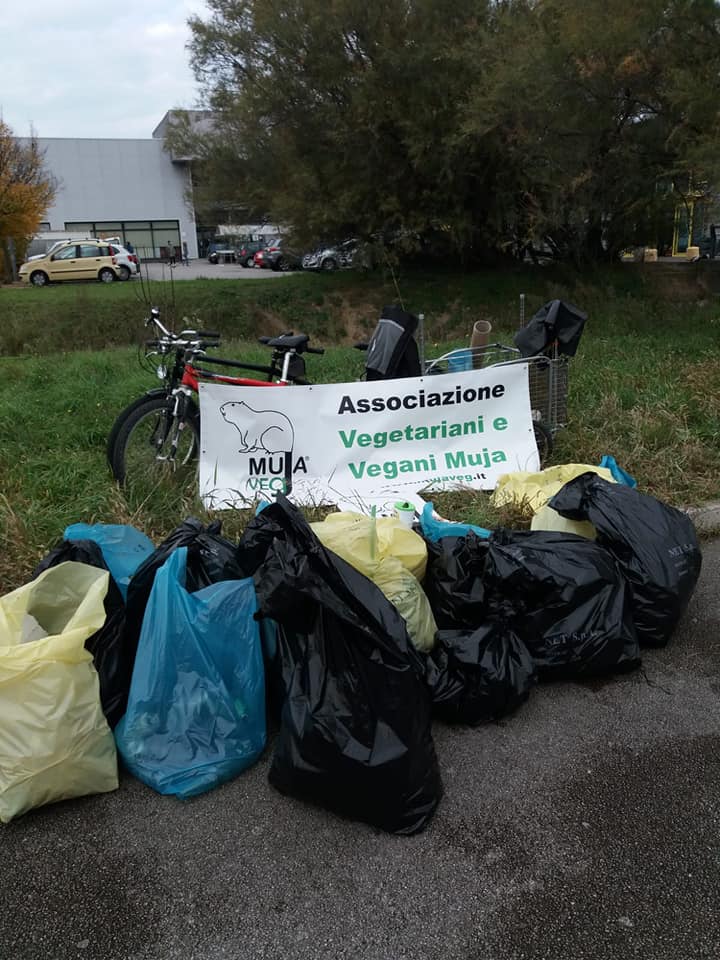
{"type": "Point", "coordinates": [158, 434]}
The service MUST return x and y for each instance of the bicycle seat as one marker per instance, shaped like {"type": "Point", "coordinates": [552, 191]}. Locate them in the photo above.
{"type": "Point", "coordinates": [287, 342]}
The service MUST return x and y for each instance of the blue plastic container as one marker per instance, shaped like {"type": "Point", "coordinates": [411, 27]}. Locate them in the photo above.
{"type": "Point", "coordinates": [459, 361]}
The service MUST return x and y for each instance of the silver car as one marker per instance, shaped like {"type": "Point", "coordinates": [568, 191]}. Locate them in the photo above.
{"type": "Point", "coordinates": [331, 258]}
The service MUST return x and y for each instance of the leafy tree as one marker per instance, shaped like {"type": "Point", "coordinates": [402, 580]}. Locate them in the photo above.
{"type": "Point", "coordinates": [342, 117]}
{"type": "Point", "coordinates": [490, 124]}
{"type": "Point", "coordinates": [26, 191]}
{"type": "Point", "coordinates": [601, 109]}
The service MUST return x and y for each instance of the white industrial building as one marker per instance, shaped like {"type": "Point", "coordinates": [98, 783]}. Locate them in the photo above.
{"type": "Point", "coordinates": [129, 188]}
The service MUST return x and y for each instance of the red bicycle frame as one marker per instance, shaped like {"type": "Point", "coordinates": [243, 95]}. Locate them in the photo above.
{"type": "Point", "coordinates": [193, 375]}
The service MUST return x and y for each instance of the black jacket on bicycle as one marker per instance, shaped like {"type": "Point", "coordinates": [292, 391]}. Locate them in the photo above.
{"type": "Point", "coordinates": [392, 351]}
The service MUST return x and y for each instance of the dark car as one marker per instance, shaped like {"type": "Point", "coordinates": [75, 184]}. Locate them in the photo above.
{"type": "Point", "coordinates": [221, 252]}
{"type": "Point", "coordinates": [246, 253]}
{"type": "Point", "coordinates": [278, 257]}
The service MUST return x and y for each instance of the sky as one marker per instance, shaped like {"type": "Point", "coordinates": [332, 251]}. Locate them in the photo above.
{"type": "Point", "coordinates": [89, 69]}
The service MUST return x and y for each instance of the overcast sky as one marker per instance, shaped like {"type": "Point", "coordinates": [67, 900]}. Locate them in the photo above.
{"type": "Point", "coordinates": [89, 69]}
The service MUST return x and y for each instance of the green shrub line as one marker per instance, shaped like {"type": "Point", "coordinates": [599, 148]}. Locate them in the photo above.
{"type": "Point", "coordinates": [645, 385]}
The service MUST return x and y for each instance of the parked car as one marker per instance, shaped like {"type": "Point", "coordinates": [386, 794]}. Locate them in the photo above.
{"type": "Point", "coordinates": [221, 252]}
{"type": "Point", "coordinates": [126, 259]}
{"type": "Point", "coordinates": [246, 253]}
{"type": "Point", "coordinates": [127, 262]}
{"type": "Point", "coordinates": [278, 257]}
{"type": "Point", "coordinates": [87, 260]}
{"type": "Point", "coordinates": [332, 257]}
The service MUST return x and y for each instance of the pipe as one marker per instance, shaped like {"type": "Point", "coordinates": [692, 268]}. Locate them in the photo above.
{"type": "Point", "coordinates": [480, 336]}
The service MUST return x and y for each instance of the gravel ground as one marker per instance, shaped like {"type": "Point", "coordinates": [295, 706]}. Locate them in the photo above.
{"type": "Point", "coordinates": [583, 828]}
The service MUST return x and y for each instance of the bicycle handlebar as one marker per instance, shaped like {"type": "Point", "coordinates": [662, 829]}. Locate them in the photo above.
{"type": "Point", "coordinates": [200, 340]}
{"type": "Point", "coordinates": [183, 343]}
{"type": "Point", "coordinates": [266, 340]}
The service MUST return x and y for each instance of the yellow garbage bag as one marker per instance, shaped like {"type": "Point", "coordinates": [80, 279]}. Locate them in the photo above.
{"type": "Point", "coordinates": [54, 740]}
{"type": "Point", "coordinates": [405, 593]}
{"type": "Point", "coordinates": [390, 555]}
{"type": "Point", "coordinates": [361, 540]}
{"type": "Point", "coordinates": [535, 489]}
{"type": "Point", "coordinates": [548, 519]}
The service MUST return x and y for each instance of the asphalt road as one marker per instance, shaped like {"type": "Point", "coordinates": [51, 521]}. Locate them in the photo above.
{"type": "Point", "coordinates": [201, 269]}
{"type": "Point", "coordinates": [586, 827]}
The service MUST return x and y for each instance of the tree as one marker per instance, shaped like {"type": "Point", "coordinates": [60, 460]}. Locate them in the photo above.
{"type": "Point", "coordinates": [492, 124]}
{"type": "Point", "coordinates": [342, 118]}
{"type": "Point", "coordinates": [600, 108]}
{"type": "Point", "coordinates": [26, 191]}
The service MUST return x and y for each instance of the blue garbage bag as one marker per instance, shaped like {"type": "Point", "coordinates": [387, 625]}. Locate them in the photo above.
{"type": "Point", "coordinates": [123, 547]}
{"type": "Point", "coordinates": [196, 710]}
{"type": "Point", "coordinates": [618, 474]}
{"type": "Point", "coordinates": [435, 530]}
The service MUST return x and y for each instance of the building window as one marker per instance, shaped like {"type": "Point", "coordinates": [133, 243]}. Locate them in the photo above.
{"type": "Point", "coordinates": [149, 238]}
{"type": "Point", "coordinates": [80, 228]}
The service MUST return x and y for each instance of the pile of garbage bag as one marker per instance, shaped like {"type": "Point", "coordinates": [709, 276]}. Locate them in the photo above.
{"type": "Point", "coordinates": [351, 635]}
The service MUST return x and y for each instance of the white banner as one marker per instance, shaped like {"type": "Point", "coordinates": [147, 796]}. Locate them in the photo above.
{"type": "Point", "coordinates": [365, 443]}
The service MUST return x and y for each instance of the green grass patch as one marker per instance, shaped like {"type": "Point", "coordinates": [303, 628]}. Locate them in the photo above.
{"type": "Point", "coordinates": [333, 308]}
{"type": "Point", "coordinates": [644, 387]}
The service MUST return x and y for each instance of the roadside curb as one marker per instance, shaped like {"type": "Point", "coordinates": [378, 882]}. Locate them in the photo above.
{"type": "Point", "coordinates": [706, 517]}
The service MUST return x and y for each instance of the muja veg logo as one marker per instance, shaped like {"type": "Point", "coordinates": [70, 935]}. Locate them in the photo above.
{"type": "Point", "coordinates": [267, 437]}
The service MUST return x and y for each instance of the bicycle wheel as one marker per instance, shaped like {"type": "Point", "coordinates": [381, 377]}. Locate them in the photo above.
{"type": "Point", "coordinates": [120, 421]}
{"type": "Point", "coordinates": [544, 440]}
{"type": "Point", "coordinates": [140, 458]}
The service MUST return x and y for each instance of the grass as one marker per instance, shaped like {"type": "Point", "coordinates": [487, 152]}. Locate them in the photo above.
{"type": "Point", "coordinates": [645, 385]}
{"type": "Point", "coordinates": [336, 308]}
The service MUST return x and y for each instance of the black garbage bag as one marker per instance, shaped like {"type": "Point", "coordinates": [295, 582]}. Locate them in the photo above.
{"type": "Point", "coordinates": [111, 655]}
{"type": "Point", "coordinates": [255, 543]}
{"type": "Point", "coordinates": [567, 599]}
{"type": "Point", "coordinates": [556, 320]}
{"type": "Point", "coordinates": [654, 544]}
{"type": "Point", "coordinates": [454, 581]}
{"type": "Point", "coordinates": [210, 559]}
{"type": "Point", "coordinates": [481, 676]}
{"type": "Point", "coordinates": [257, 540]}
{"type": "Point", "coordinates": [355, 730]}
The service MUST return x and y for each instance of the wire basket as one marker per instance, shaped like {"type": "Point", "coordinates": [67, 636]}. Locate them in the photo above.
{"type": "Point", "coordinates": [548, 377]}
{"type": "Point", "coordinates": [471, 358]}
{"type": "Point", "coordinates": [547, 373]}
